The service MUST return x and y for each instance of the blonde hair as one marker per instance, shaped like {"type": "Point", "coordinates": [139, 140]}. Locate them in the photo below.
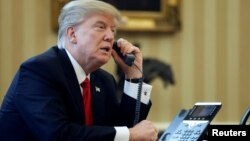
{"type": "Point", "coordinates": [77, 11]}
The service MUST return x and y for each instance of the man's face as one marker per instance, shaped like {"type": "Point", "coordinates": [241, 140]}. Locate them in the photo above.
{"type": "Point", "coordinates": [94, 39]}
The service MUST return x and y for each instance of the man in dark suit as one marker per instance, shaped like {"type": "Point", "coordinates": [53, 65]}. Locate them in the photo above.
{"type": "Point", "coordinates": [44, 101]}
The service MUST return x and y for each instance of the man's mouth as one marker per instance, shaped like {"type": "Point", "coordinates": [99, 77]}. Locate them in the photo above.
{"type": "Point", "coordinates": [106, 49]}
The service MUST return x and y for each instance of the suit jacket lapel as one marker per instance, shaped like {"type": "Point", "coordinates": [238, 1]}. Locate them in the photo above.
{"type": "Point", "coordinates": [98, 99]}
{"type": "Point", "coordinates": [72, 82]}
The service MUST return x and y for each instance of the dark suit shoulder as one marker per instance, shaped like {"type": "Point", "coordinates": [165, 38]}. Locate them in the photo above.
{"type": "Point", "coordinates": [47, 64]}
{"type": "Point", "coordinates": [49, 54]}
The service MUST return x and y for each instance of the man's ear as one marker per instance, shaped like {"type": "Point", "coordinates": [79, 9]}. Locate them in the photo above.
{"type": "Point", "coordinates": [71, 35]}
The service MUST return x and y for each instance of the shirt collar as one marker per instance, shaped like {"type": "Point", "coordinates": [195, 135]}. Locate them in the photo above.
{"type": "Point", "coordinates": [80, 74]}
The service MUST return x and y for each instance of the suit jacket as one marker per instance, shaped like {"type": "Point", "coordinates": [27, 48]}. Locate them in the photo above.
{"type": "Point", "coordinates": [44, 103]}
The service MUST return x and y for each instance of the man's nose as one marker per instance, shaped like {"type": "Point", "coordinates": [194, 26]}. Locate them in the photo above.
{"type": "Point", "coordinates": [109, 35]}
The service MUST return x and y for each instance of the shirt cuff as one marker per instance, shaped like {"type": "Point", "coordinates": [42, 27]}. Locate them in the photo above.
{"type": "Point", "coordinates": [131, 89]}
{"type": "Point", "coordinates": [122, 134]}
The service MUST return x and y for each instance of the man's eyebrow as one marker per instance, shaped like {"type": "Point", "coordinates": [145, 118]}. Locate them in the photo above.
{"type": "Point", "coordinates": [100, 22]}
{"type": "Point", "coordinates": [104, 23]}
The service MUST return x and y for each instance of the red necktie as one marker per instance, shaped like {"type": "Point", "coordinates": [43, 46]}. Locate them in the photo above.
{"type": "Point", "coordinates": [87, 101]}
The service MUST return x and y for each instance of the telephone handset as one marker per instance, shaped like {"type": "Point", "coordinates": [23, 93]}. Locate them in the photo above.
{"type": "Point", "coordinates": [127, 58]}
{"type": "Point", "coordinates": [191, 125]}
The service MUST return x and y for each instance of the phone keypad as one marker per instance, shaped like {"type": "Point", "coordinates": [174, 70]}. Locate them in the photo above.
{"type": "Point", "coordinates": [189, 131]}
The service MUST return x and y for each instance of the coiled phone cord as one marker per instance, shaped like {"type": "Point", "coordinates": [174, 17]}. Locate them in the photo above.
{"type": "Point", "coordinates": [138, 100]}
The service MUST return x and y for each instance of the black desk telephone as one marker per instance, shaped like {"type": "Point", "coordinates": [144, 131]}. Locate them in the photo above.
{"type": "Point", "coordinates": [191, 125]}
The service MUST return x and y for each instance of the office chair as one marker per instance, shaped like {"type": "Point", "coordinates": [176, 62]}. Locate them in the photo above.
{"type": "Point", "coordinates": [245, 117]}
